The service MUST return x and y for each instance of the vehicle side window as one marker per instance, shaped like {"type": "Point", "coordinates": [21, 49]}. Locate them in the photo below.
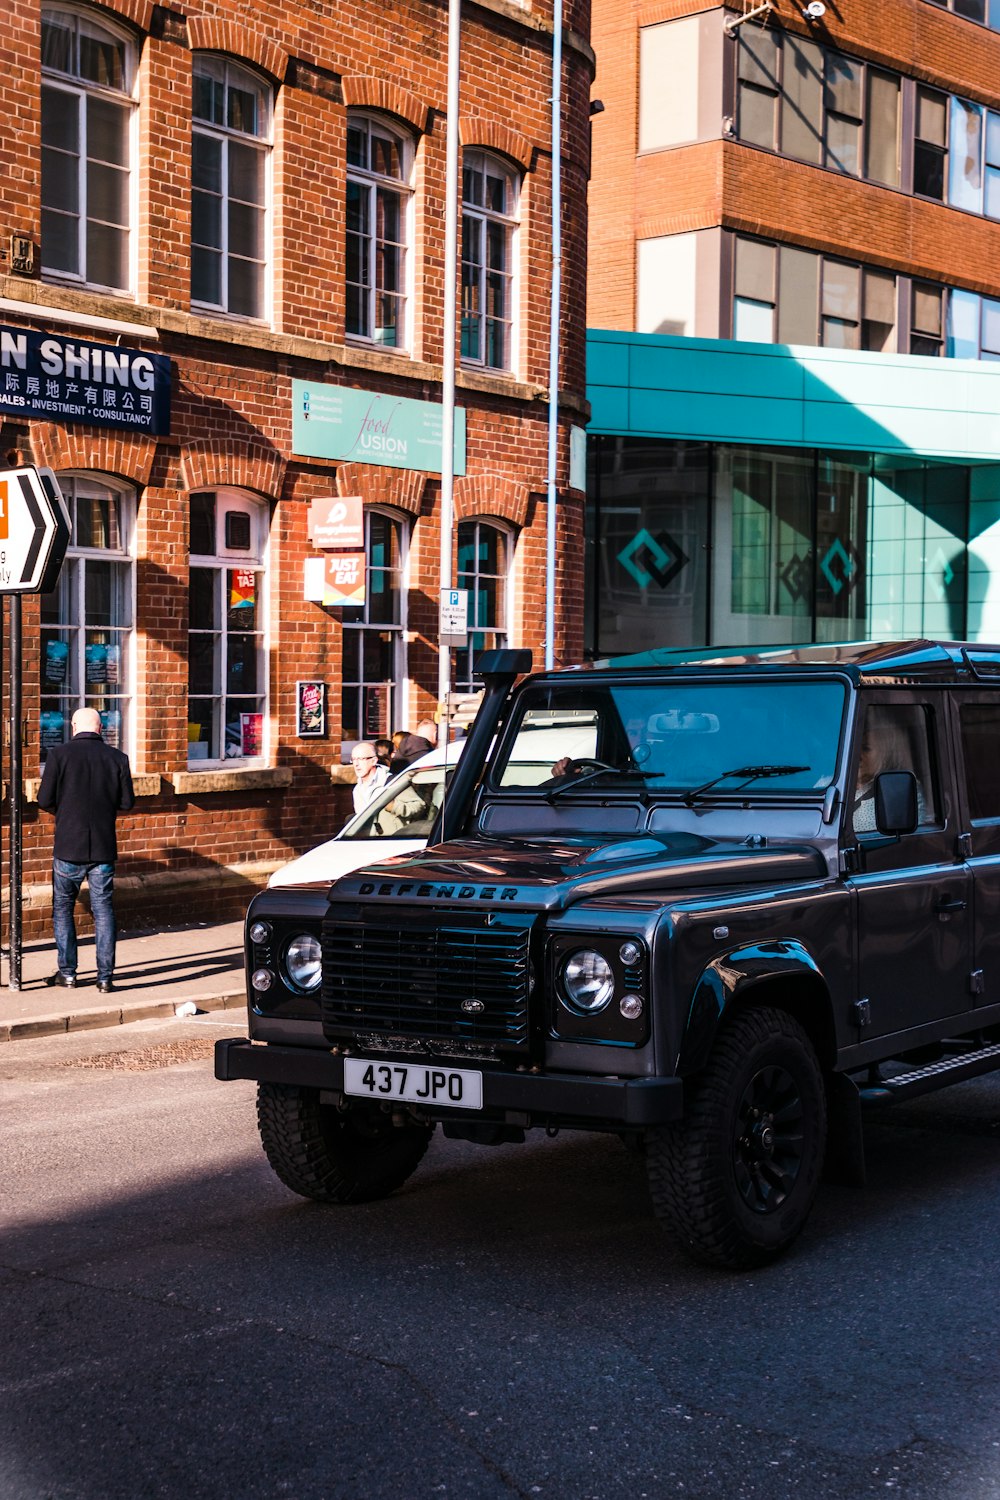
{"type": "Point", "coordinates": [896, 737]}
{"type": "Point", "coordinates": [980, 727]}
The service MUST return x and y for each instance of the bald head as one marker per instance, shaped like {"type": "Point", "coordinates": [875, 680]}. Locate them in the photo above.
{"type": "Point", "coordinates": [86, 721]}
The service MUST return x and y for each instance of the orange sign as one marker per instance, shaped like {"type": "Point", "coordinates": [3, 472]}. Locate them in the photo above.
{"type": "Point", "coordinates": [337, 521]}
{"type": "Point", "coordinates": [4, 519]}
{"type": "Point", "coordinates": [344, 578]}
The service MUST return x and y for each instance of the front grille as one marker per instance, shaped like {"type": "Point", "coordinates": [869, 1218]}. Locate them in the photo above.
{"type": "Point", "coordinates": [408, 975]}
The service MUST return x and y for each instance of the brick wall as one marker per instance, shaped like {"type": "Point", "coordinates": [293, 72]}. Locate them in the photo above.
{"type": "Point", "coordinates": [198, 853]}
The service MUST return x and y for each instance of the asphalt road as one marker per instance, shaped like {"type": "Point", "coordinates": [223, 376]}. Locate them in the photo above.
{"type": "Point", "coordinates": [512, 1323]}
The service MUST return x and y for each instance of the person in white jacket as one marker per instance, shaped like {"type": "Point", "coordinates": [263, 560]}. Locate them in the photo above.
{"type": "Point", "coordinates": [370, 773]}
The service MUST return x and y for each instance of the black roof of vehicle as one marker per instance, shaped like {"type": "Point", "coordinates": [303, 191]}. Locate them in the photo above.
{"type": "Point", "coordinates": [923, 660]}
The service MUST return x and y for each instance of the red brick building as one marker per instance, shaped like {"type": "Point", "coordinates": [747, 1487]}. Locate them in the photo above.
{"type": "Point", "coordinates": [252, 198]}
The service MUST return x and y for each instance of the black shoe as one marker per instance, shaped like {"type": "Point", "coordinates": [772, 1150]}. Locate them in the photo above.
{"type": "Point", "coordinates": [104, 987]}
{"type": "Point", "coordinates": [64, 981]}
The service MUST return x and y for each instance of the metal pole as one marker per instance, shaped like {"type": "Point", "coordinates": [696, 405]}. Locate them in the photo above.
{"type": "Point", "coordinates": [16, 792]}
{"type": "Point", "coordinates": [450, 289]}
{"type": "Point", "coordinates": [554, 311]}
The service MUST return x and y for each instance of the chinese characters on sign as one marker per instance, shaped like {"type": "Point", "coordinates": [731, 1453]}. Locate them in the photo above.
{"type": "Point", "coordinates": [46, 375]}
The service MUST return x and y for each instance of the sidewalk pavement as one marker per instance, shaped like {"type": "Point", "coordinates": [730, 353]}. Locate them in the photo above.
{"type": "Point", "coordinates": [200, 964]}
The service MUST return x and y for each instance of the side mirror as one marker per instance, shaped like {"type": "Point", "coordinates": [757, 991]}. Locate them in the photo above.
{"type": "Point", "coordinates": [896, 809]}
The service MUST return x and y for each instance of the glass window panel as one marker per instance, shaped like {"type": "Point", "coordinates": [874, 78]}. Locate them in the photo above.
{"type": "Point", "coordinates": [107, 132]}
{"type": "Point", "coordinates": [991, 195]}
{"type": "Point", "coordinates": [841, 290]}
{"type": "Point", "coordinates": [758, 56]}
{"type": "Point", "coordinates": [973, 10]}
{"type": "Point", "coordinates": [107, 194]}
{"type": "Point", "coordinates": [102, 604]}
{"type": "Point", "coordinates": [756, 116]}
{"type": "Point", "coordinates": [840, 335]}
{"type": "Point", "coordinates": [802, 104]}
{"type": "Point", "coordinates": [843, 85]}
{"type": "Point", "coordinates": [242, 599]}
{"type": "Point", "coordinates": [202, 525]}
{"type": "Point", "coordinates": [206, 220]}
{"type": "Point", "coordinates": [246, 288]}
{"type": "Point", "coordinates": [201, 663]}
{"type": "Point", "coordinates": [244, 112]}
{"type": "Point", "coordinates": [965, 179]}
{"type": "Point", "coordinates": [993, 138]}
{"type": "Point", "coordinates": [60, 242]}
{"type": "Point", "coordinates": [387, 158]}
{"type": "Point", "coordinates": [206, 162]}
{"type": "Point", "coordinates": [878, 328]}
{"type": "Point", "coordinates": [107, 255]}
{"type": "Point", "coordinates": [97, 521]}
{"type": "Point", "coordinates": [202, 599]}
{"type": "Point", "coordinates": [754, 270]}
{"type": "Point", "coordinates": [472, 185]}
{"type": "Point", "coordinates": [928, 171]}
{"type": "Point", "coordinates": [358, 198]}
{"type": "Point", "coordinates": [798, 296]}
{"type": "Point", "coordinates": [388, 209]}
{"type": "Point", "coordinates": [57, 44]}
{"type": "Point", "coordinates": [843, 144]}
{"type": "Point", "coordinates": [246, 173]}
{"type": "Point", "coordinates": [882, 128]}
{"type": "Point", "coordinates": [927, 308]}
{"type": "Point", "coordinates": [980, 725]}
{"type": "Point", "coordinates": [932, 119]}
{"type": "Point", "coordinates": [357, 146]}
{"type": "Point", "coordinates": [753, 322]}
{"type": "Point", "coordinates": [206, 276]}
{"type": "Point", "coordinates": [388, 268]}
{"type": "Point", "coordinates": [356, 314]}
{"type": "Point", "coordinates": [102, 58]}
{"type": "Point", "coordinates": [963, 325]}
{"type": "Point", "coordinates": [994, 14]}
{"type": "Point", "coordinates": [60, 181]}
{"type": "Point", "coordinates": [241, 663]}
{"type": "Point", "coordinates": [60, 119]}
{"type": "Point", "coordinates": [921, 345]}
{"type": "Point", "coordinates": [991, 326]}
{"type": "Point", "coordinates": [246, 229]}
{"type": "Point", "coordinates": [208, 96]}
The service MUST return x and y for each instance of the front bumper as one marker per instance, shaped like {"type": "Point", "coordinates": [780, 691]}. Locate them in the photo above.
{"type": "Point", "coordinates": [545, 1097]}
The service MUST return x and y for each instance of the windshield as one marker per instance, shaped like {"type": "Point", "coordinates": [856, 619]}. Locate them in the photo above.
{"type": "Point", "coordinates": [405, 808]}
{"type": "Point", "coordinates": [655, 737]}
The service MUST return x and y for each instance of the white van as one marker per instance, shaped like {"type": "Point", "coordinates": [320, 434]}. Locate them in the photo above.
{"type": "Point", "coordinates": [397, 821]}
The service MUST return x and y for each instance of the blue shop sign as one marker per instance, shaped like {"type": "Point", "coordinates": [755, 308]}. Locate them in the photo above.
{"type": "Point", "coordinates": [73, 380]}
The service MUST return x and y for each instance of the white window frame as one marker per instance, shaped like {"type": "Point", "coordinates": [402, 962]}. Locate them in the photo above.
{"type": "Point", "coordinates": [70, 592]}
{"type": "Point", "coordinates": [509, 221]}
{"type": "Point", "coordinates": [373, 183]}
{"type": "Point", "coordinates": [220, 563]}
{"type": "Point", "coordinates": [498, 634]}
{"type": "Point", "coordinates": [73, 87]}
{"type": "Point", "coordinates": [214, 65]}
{"type": "Point", "coordinates": [398, 698]}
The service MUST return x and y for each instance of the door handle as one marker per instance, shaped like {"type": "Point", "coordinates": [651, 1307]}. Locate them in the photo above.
{"type": "Point", "coordinates": [949, 903]}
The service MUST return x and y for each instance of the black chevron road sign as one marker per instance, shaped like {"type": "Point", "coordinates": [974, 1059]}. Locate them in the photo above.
{"type": "Point", "coordinates": [34, 531]}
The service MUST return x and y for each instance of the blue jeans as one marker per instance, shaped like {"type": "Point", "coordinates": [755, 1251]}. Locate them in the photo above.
{"type": "Point", "coordinates": [67, 878]}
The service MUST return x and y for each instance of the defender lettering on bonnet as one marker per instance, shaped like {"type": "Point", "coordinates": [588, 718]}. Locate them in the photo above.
{"type": "Point", "coordinates": [439, 892]}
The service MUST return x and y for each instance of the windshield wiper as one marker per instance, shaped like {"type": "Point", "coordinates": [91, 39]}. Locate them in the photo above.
{"type": "Point", "coordinates": [570, 783]}
{"type": "Point", "coordinates": [748, 773]}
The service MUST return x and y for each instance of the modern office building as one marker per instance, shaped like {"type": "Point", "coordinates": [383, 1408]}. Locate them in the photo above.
{"type": "Point", "coordinates": [794, 304]}
{"type": "Point", "coordinates": [221, 325]}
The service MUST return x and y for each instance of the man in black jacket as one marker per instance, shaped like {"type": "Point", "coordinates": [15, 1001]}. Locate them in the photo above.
{"type": "Point", "coordinates": [86, 783]}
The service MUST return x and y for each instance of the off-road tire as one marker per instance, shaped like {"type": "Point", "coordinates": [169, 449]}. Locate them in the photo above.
{"type": "Point", "coordinates": [735, 1188]}
{"type": "Point", "coordinates": [351, 1156]}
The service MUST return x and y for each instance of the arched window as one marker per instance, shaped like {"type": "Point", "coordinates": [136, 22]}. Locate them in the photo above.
{"type": "Point", "coordinates": [227, 664]}
{"type": "Point", "coordinates": [379, 169]}
{"type": "Point", "coordinates": [230, 162]}
{"type": "Point", "coordinates": [88, 75]}
{"type": "Point", "coordinates": [374, 649]}
{"type": "Point", "coordinates": [489, 227]}
{"type": "Point", "coordinates": [484, 557]}
{"type": "Point", "coordinates": [87, 620]}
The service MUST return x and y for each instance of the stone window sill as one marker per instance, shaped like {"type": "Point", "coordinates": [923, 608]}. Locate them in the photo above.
{"type": "Point", "coordinates": [143, 786]}
{"type": "Point", "coordinates": [188, 783]}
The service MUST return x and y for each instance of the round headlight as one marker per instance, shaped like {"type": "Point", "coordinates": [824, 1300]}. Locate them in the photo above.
{"type": "Point", "coordinates": [587, 981]}
{"type": "Point", "coordinates": [262, 979]}
{"type": "Point", "coordinates": [260, 932]}
{"type": "Point", "coordinates": [303, 962]}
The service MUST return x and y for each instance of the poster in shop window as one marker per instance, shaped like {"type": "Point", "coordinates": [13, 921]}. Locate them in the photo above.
{"type": "Point", "coordinates": [310, 698]}
{"type": "Point", "coordinates": [251, 734]}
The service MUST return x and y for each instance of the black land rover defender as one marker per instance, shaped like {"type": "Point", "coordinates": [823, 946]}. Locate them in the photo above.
{"type": "Point", "coordinates": [713, 903]}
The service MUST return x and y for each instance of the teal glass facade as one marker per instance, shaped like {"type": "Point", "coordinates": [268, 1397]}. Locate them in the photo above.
{"type": "Point", "coordinates": [700, 537]}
